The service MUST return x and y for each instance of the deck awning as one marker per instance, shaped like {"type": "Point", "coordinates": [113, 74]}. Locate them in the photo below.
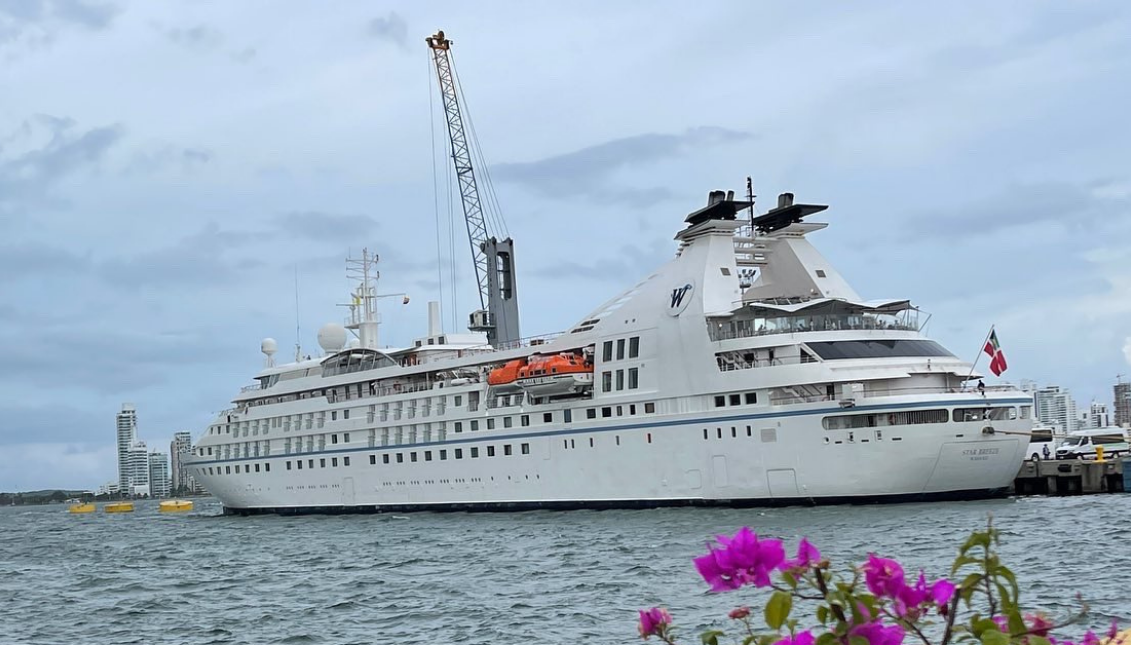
{"type": "Point", "coordinates": [829, 305]}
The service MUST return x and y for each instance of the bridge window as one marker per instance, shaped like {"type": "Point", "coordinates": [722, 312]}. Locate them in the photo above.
{"type": "Point", "coordinates": [634, 347]}
{"type": "Point", "coordinates": [607, 351]}
{"type": "Point", "coordinates": [845, 349]}
{"type": "Point", "coordinates": [620, 349]}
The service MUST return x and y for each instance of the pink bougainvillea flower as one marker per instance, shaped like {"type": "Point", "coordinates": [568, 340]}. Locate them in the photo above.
{"type": "Point", "coordinates": [1090, 638]}
{"type": "Point", "coordinates": [1002, 624]}
{"type": "Point", "coordinates": [876, 633]}
{"type": "Point", "coordinates": [883, 576]}
{"type": "Point", "coordinates": [654, 621]}
{"type": "Point", "coordinates": [738, 613]}
{"type": "Point", "coordinates": [1038, 624]}
{"type": "Point", "coordinates": [942, 591]}
{"type": "Point", "coordinates": [742, 559]}
{"type": "Point", "coordinates": [807, 556]}
{"type": "Point", "coordinates": [800, 638]}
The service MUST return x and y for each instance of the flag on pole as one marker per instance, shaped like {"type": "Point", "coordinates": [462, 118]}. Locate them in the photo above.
{"type": "Point", "coordinates": [997, 357]}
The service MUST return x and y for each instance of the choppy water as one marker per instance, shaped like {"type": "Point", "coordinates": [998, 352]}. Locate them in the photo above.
{"type": "Point", "coordinates": [538, 577]}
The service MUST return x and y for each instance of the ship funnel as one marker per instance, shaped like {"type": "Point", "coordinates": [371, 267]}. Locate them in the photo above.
{"type": "Point", "coordinates": [715, 196]}
{"type": "Point", "coordinates": [435, 326]}
{"type": "Point", "coordinates": [785, 199]}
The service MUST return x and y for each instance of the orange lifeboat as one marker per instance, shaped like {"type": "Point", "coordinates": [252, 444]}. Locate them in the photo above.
{"type": "Point", "coordinates": [507, 374]}
{"type": "Point", "coordinates": [555, 375]}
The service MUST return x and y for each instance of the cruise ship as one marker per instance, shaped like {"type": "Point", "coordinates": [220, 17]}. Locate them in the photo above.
{"type": "Point", "coordinates": [744, 371]}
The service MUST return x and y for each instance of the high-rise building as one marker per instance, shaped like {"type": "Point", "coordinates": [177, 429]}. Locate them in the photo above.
{"type": "Point", "coordinates": [158, 474]}
{"type": "Point", "coordinates": [127, 435]}
{"type": "Point", "coordinates": [137, 470]}
{"type": "Point", "coordinates": [1098, 416]}
{"type": "Point", "coordinates": [1122, 393]}
{"type": "Point", "coordinates": [179, 450]}
{"type": "Point", "coordinates": [1056, 408]}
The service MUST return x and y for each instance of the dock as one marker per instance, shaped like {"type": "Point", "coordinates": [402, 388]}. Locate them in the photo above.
{"type": "Point", "coordinates": [1073, 477]}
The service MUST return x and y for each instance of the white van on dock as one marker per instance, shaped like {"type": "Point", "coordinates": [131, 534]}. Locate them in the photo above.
{"type": "Point", "coordinates": [1043, 444]}
{"type": "Point", "coordinates": [1082, 444]}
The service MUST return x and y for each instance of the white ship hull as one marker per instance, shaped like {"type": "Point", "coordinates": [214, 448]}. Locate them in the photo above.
{"type": "Point", "coordinates": [646, 463]}
{"type": "Point", "coordinates": [705, 390]}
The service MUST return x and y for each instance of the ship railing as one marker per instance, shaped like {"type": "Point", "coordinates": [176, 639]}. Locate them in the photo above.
{"type": "Point", "coordinates": [803, 397]}
{"type": "Point", "coordinates": [753, 327]}
{"type": "Point", "coordinates": [529, 341]}
{"type": "Point", "coordinates": [251, 388]}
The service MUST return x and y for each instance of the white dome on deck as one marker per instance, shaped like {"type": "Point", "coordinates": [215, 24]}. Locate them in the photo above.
{"type": "Point", "coordinates": [332, 337]}
{"type": "Point", "coordinates": [269, 346]}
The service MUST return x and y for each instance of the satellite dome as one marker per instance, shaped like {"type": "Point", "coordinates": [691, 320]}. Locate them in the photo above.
{"type": "Point", "coordinates": [268, 346]}
{"type": "Point", "coordinates": [354, 343]}
{"type": "Point", "coordinates": [332, 337]}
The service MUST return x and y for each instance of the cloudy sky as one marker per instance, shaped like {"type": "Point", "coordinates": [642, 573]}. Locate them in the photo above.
{"type": "Point", "coordinates": [167, 168]}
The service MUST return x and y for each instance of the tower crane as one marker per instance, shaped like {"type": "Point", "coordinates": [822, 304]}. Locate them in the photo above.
{"type": "Point", "coordinates": [493, 258]}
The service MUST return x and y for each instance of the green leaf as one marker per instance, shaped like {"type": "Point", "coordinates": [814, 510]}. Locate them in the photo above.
{"type": "Point", "coordinates": [858, 640]}
{"type": "Point", "coordinates": [749, 639]}
{"type": "Point", "coordinates": [962, 561]}
{"type": "Point", "coordinates": [777, 609]}
{"type": "Point", "coordinates": [869, 601]}
{"type": "Point", "coordinates": [977, 538]}
{"type": "Point", "coordinates": [710, 637]}
{"type": "Point", "coordinates": [790, 579]}
{"type": "Point", "coordinates": [1007, 602]}
{"type": "Point", "coordinates": [1037, 640]}
{"type": "Point", "coordinates": [1016, 624]}
{"type": "Point", "coordinates": [1006, 573]}
{"type": "Point", "coordinates": [980, 625]}
{"type": "Point", "coordinates": [823, 614]}
{"type": "Point", "coordinates": [828, 638]}
{"type": "Point", "coordinates": [994, 637]}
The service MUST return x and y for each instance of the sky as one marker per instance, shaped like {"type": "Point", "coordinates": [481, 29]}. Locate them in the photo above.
{"type": "Point", "coordinates": [170, 171]}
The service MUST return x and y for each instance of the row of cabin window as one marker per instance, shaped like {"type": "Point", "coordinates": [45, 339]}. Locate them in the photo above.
{"type": "Point", "coordinates": [607, 411]}
{"type": "Point", "coordinates": [733, 432]}
{"type": "Point", "coordinates": [633, 349]}
{"type": "Point", "coordinates": [457, 453]}
{"type": "Point", "coordinates": [633, 379]}
{"type": "Point", "coordinates": [746, 398]}
{"type": "Point", "coordinates": [246, 468]}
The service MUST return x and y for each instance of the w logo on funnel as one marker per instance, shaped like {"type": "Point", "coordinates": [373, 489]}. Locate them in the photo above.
{"type": "Point", "coordinates": [681, 296]}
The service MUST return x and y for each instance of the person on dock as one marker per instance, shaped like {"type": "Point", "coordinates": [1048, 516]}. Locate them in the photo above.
{"type": "Point", "coordinates": [981, 387]}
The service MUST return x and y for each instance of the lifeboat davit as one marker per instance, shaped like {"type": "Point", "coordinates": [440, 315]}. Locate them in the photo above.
{"type": "Point", "coordinates": [506, 377]}
{"type": "Point", "coordinates": [555, 375]}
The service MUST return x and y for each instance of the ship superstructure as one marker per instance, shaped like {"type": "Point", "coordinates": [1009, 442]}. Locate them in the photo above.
{"type": "Point", "coordinates": [744, 371]}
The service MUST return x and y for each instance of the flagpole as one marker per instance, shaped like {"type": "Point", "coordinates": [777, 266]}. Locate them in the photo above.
{"type": "Point", "coordinates": [981, 350]}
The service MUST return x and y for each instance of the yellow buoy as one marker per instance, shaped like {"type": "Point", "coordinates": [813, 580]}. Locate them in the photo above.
{"type": "Point", "coordinates": [119, 507]}
{"type": "Point", "coordinates": [81, 508]}
{"type": "Point", "coordinates": [174, 506]}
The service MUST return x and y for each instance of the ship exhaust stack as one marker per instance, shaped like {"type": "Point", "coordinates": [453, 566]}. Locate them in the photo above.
{"type": "Point", "coordinates": [435, 328]}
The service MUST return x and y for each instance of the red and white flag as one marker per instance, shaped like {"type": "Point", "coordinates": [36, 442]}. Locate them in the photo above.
{"type": "Point", "coordinates": [997, 357]}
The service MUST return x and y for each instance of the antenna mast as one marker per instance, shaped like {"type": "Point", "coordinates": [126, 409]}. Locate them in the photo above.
{"type": "Point", "coordinates": [298, 336]}
{"type": "Point", "coordinates": [364, 319]}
